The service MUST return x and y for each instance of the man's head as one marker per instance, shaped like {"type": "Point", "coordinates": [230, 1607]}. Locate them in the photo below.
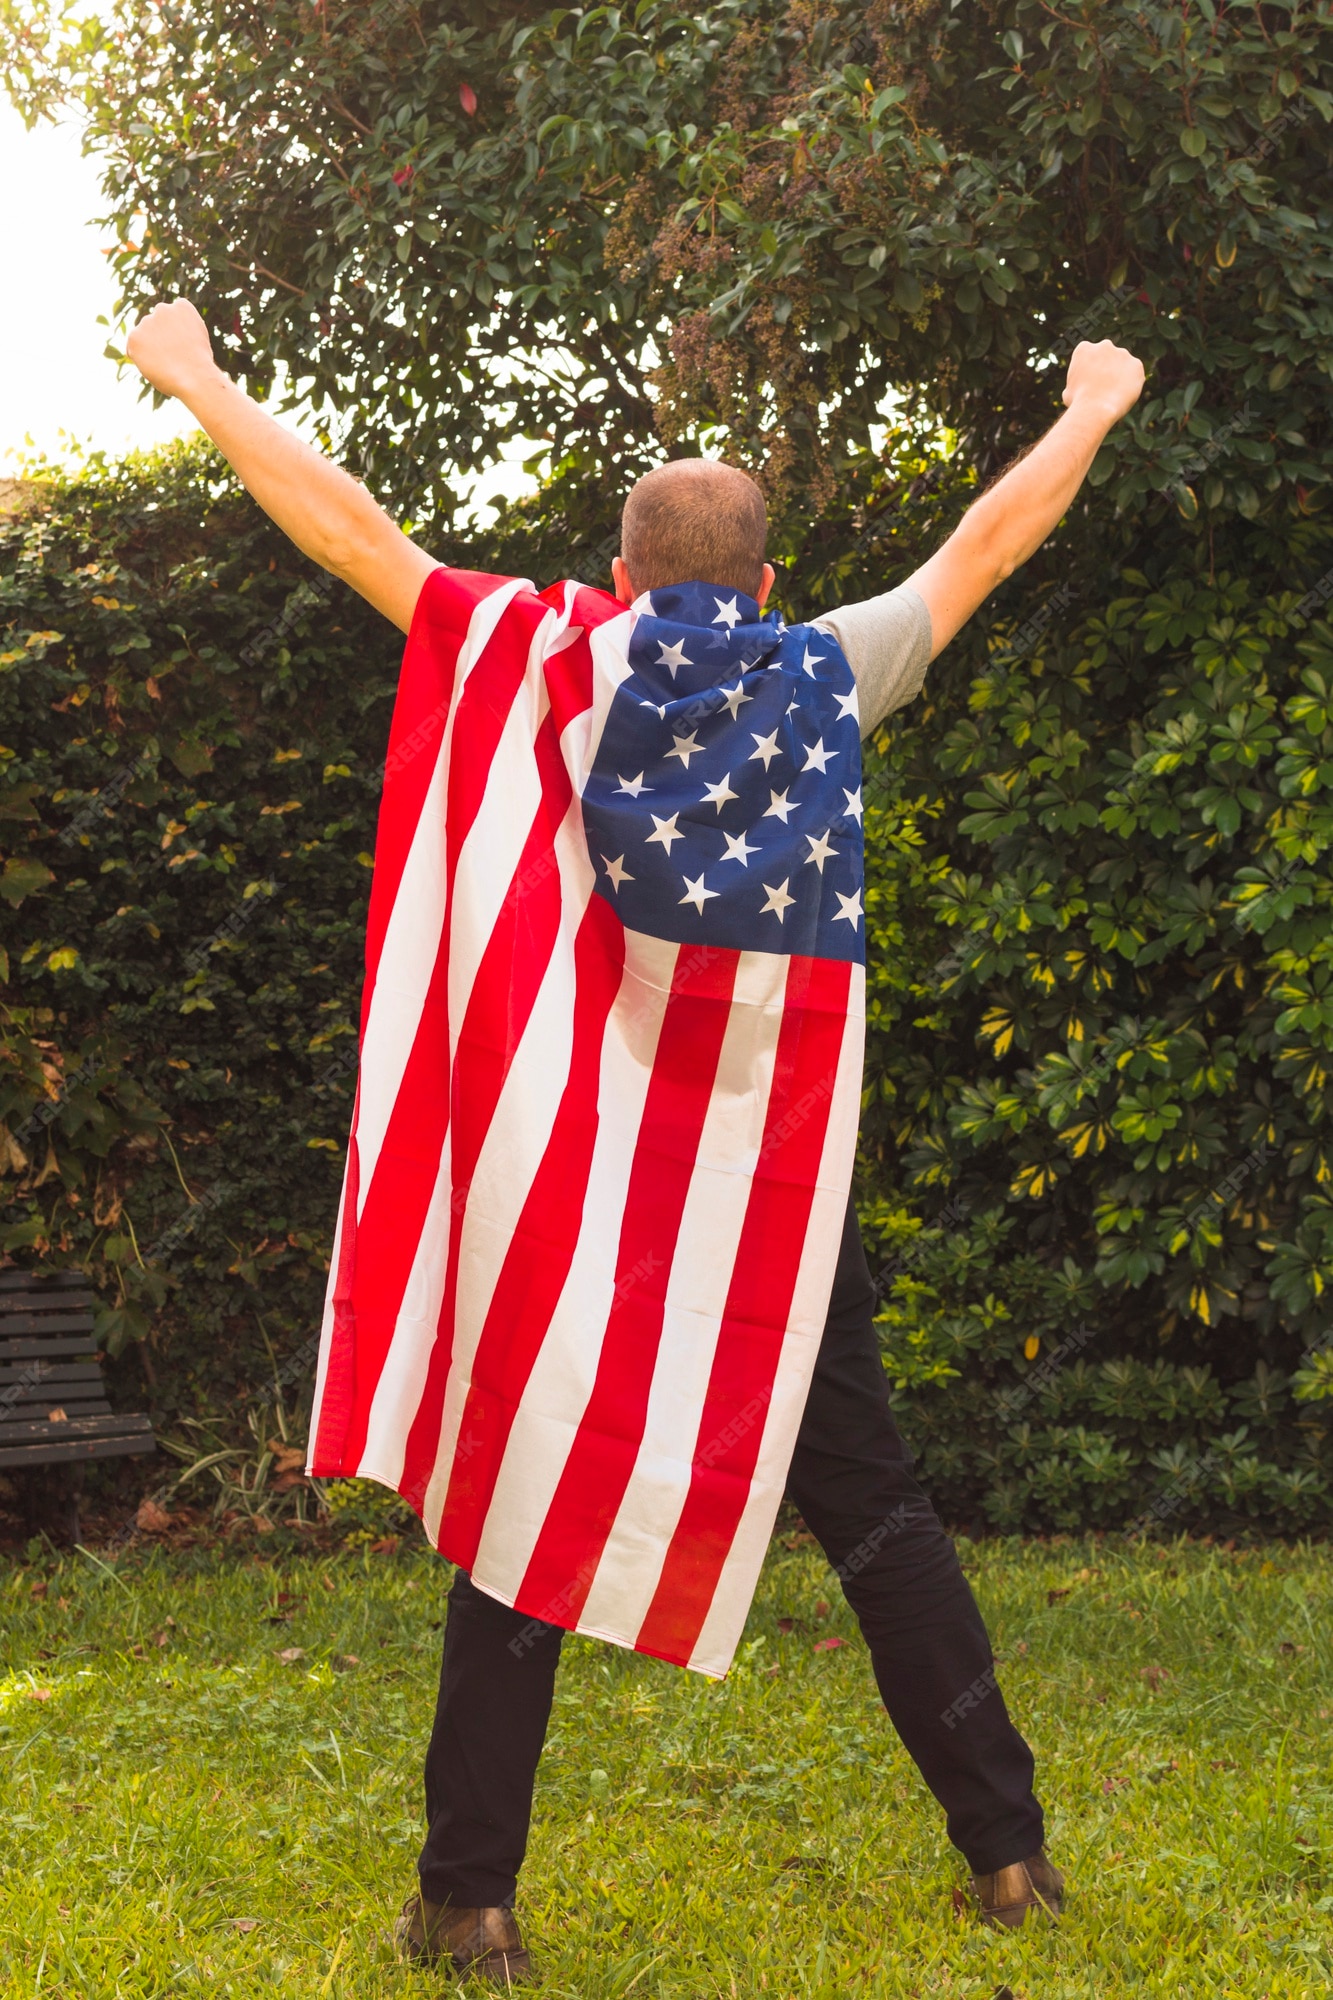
{"type": "Point", "coordinates": [693, 521]}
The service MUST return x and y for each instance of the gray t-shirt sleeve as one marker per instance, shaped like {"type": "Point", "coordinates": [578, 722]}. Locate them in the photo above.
{"type": "Point", "coordinates": [887, 641]}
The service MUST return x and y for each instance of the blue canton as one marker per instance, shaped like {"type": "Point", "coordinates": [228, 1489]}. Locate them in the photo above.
{"type": "Point", "coordinates": [724, 806]}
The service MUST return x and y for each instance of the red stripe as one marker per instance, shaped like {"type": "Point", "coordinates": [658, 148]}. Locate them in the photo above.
{"type": "Point", "coordinates": [601, 1459]}
{"type": "Point", "coordinates": [499, 1007]}
{"type": "Point", "coordinates": [749, 1345]}
{"type": "Point", "coordinates": [538, 1259]}
{"type": "Point", "coordinates": [569, 681]}
{"type": "Point", "coordinates": [404, 1174]}
{"type": "Point", "coordinates": [339, 1390]}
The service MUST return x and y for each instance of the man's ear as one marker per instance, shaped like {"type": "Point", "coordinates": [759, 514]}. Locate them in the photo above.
{"type": "Point", "coordinates": [770, 578]}
{"type": "Point", "coordinates": [620, 580]}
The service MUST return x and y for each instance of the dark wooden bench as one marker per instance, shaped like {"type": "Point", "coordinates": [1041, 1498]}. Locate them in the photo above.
{"type": "Point", "coordinates": [53, 1402]}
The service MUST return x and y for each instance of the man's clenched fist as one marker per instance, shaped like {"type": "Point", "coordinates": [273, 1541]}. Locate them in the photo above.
{"type": "Point", "coordinates": [170, 346]}
{"type": "Point", "coordinates": [1104, 374]}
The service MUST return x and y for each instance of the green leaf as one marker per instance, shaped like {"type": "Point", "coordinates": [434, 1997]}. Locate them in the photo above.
{"type": "Point", "coordinates": [22, 877]}
{"type": "Point", "coordinates": [191, 757]}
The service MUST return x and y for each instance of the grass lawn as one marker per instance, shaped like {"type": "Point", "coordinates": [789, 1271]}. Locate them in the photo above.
{"type": "Point", "coordinates": [188, 1811]}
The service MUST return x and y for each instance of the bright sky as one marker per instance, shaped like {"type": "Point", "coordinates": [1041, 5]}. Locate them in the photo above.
{"type": "Point", "coordinates": [54, 376]}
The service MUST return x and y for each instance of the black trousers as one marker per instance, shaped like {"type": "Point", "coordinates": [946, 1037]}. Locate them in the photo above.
{"type": "Point", "coordinates": [851, 1478]}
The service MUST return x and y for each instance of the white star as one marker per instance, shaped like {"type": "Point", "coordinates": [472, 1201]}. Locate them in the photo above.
{"type": "Point", "coordinates": [617, 871]}
{"type": "Point", "coordinates": [718, 794]}
{"type": "Point", "coordinates": [768, 749]}
{"type": "Point", "coordinates": [735, 696]}
{"type": "Point", "coordinates": [686, 747]}
{"type": "Point", "coordinates": [779, 902]}
{"type": "Point", "coordinates": [631, 787]}
{"type": "Point", "coordinates": [738, 849]}
{"type": "Point", "coordinates": [816, 757]}
{"type": "Point", "coordinates": [820, 849]}
{"type": "Point", "coordinates": [654, 707]}
{"type": "Point", "coordinates": [780, 807]}
{"type": "Point", "coordinates": [848, 708]}
{"type": "Point", "coordinates": [853, 803]}
{"type": "Point", "coordinates": [673, 656]}
{"type": "Point", "coordinates": [792, 707]}
{"type": "Point", "coordinates": [696, 893]}
{"type": "Point", "coordinates": [810, 662]}
{"type": "Point", "coordinates": [851, 908]}
{"type": "Point", "coordinates": [728, 614]}
{"type": "Point", "coordinates": [667, 830]}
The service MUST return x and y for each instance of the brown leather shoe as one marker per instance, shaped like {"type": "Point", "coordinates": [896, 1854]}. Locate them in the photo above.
{"type": "Point", "coordinates": [484, 1944]}
{"type": "Point", "coordinates": [1007, 1895]}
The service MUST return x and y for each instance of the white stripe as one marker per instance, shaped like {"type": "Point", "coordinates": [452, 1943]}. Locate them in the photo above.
{"type": "Point", "coordinates": [557, 1392]}
{"type": "Point", "coordinates": [412, 935]}
{"type": "Point", "coordinates": [721, 1630]}
{"type": "Point", "coordinates": [697, 1290]}
{"type": "Point", "coordinates": [493, 846]}
{"type": "Point", "coordinates": [608, 644]}
{"type": "Point", "coordinates": [515, 1143]}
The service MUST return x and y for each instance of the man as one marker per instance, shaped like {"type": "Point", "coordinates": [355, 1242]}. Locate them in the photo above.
{"type": "Point", "coordinates": [692, 538]}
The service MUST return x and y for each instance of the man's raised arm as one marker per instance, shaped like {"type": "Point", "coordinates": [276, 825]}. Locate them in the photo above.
{"type": "Point", "coordinates": [326, 512]}
{"type": "Point", "coordinates": [1011, 521]}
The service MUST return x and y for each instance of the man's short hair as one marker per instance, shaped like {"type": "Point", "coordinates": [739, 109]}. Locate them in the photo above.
{"type": "Point", "coordinates": [695, 520]}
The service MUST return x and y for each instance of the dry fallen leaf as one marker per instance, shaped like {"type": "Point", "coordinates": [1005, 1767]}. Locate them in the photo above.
{"type": "Point", "coordinates": [290, 1654]}
{"type": "Point", "coordinates": [40, 1588]}
{"type": "Point", "coordinates": [244, 1923]}
{"type": "Point", "coordinates": [344, 1660]}
{"type": "Point", "coordinates": [1154, 1675]}
{"type": "Point", "coordinates": [828, 1645]}
{"type": "Point", "coordinates": [151, 1519]}
{"type": "Point", "coordinates": [1054, 1596]}
{"type": "Point", "coordinates": [39, 1694]}
{"type": "Point", "coordinates": [387, 1545]}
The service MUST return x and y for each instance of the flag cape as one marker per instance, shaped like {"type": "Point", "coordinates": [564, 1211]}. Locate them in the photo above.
{"type": "Point", "coordinates": [611, 1046]}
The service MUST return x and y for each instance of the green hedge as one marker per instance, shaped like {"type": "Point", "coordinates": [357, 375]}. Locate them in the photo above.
{"type": "Point", "coordinates": [1094, 1171]}
{"type": "Point", "coordinates": [195, 721]}
{"type": "Point", "coordinates": [1098, 1096]}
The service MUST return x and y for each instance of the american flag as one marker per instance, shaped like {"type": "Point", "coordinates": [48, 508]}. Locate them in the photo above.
{"type": "Point", "coordinates": [611, 1046]}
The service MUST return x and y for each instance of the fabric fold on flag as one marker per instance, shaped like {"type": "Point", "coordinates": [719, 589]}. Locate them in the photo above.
{"type": "Point", "coordinates": [611, 1044]}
